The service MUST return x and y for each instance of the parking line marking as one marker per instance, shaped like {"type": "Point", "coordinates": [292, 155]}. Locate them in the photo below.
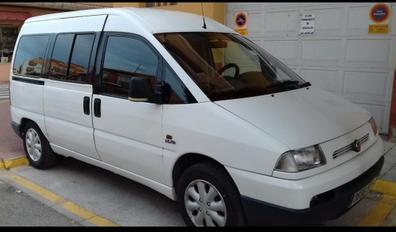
{"type": "Point", "coordinates": [77, 210]}
{"type": "Point", "coordinates": [385, 187]}
{"type": "Point", "coordinates": [52, 197]}
{"type": "Point", "coordinates": [71, 207]}
{"type": "Point", "coordinates": [99, 221]}
{"type": "Point", "coordinates": [381, 210]}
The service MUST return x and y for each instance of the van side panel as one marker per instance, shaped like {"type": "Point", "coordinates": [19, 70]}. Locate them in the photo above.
{"type": "Point", "coordinates": [27, 102]}
{"type": "Point", "coordinates": [66, 124]}
{"type": "Point", "coordinates": [55, 105]}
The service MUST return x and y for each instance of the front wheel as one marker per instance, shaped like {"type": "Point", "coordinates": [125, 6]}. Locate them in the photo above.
{"type": "Point", "coordinates": [207, 196]}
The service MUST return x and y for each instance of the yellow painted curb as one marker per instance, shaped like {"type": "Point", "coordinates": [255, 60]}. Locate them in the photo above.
{"type": "Point", "coordinates": [99, 221]}
{"type": "Point", "coordinates": [52, 197]}
{"type": "Point", "coordinates": [385, 187]}
{"type": "Point", "coordinates": [2, 164]}
{"type": "Point", "coordinates": [15, 162]}
{"type": "Point", "coordinates": [378, 214]}
{"type": "Point", "coordinates": [77, 210]}
{"type": "Point", "coordinates": [58, 200]}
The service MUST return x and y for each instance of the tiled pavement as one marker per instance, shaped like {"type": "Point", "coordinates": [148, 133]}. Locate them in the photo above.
{"type": "Point", "coordinates": [4, 91]}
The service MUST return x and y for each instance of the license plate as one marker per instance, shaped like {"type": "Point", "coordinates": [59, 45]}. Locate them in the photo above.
{"type": "Point", "coordinates": [360, 194]}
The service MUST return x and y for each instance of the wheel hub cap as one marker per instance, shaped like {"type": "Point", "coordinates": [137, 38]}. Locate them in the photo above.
{"type": "Point", "coordinates": [33, 144]}
{"type": "Point", "coordinates": [204, 204]}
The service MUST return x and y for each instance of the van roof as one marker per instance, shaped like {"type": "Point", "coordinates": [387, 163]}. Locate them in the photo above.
{"type": "Point", "coordinates": [154, 20]}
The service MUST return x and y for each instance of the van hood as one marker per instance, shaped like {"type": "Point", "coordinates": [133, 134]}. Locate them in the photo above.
{"type": "Point", "coordinates": [301, 117]}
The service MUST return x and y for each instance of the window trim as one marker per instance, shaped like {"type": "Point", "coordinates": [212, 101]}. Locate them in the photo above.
{"type": "Point", "coordinates": [101, 57]}
{"type": "Point", "coordinates": [45, 55]}
{"type": "Point", "coordinates": [75, 34]}
{"type": "Point", "coordinates": [165, 64]}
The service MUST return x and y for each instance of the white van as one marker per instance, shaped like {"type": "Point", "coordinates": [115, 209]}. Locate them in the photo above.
{"type": "Point", "coordinates": [192, 110]}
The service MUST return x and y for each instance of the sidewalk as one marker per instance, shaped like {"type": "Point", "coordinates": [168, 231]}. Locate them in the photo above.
{"type": "Point", "coordinates": [4, 90]}
{"type": "Point", "coordinates": [10, 144]}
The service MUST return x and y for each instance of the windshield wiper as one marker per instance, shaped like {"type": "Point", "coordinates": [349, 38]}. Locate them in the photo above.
{"type": "Point", "coordinates": [284, 84]}
{"type": "Point", "coordinates": [248, 92]}
{"type": "Point", "coordinates": [289, 84]}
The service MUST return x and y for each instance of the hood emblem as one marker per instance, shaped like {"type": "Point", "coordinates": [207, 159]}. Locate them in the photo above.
{"type": "Point", "coordinates": [356, 145]}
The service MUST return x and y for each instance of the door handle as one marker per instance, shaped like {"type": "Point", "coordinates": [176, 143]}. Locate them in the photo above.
{"type": "Point", "coordinates": [97, 112]}
{"type": "Point", "coordinates": [86, 105]}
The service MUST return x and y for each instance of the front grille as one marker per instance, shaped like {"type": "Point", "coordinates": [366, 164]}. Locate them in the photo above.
{"type": "Point", "coordinates": [348, 147]}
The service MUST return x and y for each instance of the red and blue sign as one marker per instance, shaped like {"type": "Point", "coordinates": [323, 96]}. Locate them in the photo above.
{"type": "Point", "coordinates": [241, 19]}
{"type": "Point", "coordinates": [379, 12]}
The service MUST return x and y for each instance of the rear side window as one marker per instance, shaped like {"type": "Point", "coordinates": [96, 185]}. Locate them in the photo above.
{"type": "Point", "coordinates": [80, 58]}
{"type": "Point", "coordinates": [60, 56]}
{"type": "Point", "coordinates": [125, 58]}
{"type": "Point", "coordinates": [70, 57]}
{"type": "Point", "coordinates": [30, 54]}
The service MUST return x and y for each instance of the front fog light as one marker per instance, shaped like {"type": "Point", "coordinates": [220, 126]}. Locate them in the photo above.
{"type": "Point", "coordinates": [300, 160]}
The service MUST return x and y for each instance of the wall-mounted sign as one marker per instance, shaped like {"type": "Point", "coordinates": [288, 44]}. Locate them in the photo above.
{"type": "Point", "coordinates": [241, 22]}
{"type": "Point", "coordinates": [379, 14]}
{"type": "Point", "coordinates": [307, 24]}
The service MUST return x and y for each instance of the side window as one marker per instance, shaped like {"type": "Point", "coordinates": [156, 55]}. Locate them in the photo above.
{"type": "Point", "coordinates": [30, 55]}
{"type": "Point", "coordinates": [70, 57]}
{"type": "Point", "coordinates": [60, 56]}
{"type": "Point", "coordinates": [80, 58]}
{"type": "Point", "coordinates": [125, 58]}
{"type": "Point", "coordinates": [174, 91]}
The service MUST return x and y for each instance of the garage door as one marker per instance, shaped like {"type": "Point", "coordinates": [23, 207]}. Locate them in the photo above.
{"type": "Point", "coordinates": [340, 57]}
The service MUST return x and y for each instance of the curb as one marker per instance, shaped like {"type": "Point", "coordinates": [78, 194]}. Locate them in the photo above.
{"type": "Point", "coordinates": [378, 215]}
{"type": "Point", "coordinates": [385, 187]}
{"type": "Point", "coordinates": [13, 162]}
{"type": "Point", "coordinates": [85, 215]}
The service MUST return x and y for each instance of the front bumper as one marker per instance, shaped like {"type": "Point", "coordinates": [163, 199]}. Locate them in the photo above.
{"type": "Point", "coordinates": [325, 206]}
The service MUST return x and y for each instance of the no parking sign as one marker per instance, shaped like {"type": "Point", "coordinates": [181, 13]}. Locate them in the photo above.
{"type": "Point", "coordinates": [241, 21]}
{"type": "Point", "coordinates": [379, 14]}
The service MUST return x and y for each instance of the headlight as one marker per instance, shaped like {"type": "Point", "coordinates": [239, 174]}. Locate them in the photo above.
{"type": "Point", "coordinates": [373, 126]}
{"type": "Point", "coordinates": [300, 160]}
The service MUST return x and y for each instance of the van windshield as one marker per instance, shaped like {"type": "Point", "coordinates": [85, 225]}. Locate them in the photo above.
{"type": "Point", "coordinates": [229, 66]}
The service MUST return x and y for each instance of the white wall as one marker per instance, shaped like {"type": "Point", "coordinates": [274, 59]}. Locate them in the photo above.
{"type": "Point", "coordinates": [340, 56]}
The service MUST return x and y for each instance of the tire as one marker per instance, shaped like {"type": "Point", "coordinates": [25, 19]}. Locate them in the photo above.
{"type": "Point", "coordinates": [212, 177]}
{"type": "Point", "coordinates": [33, 137]}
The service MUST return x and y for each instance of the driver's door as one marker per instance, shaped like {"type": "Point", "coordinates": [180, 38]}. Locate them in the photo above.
{"type": "Point", "coordinates": [127, 133]}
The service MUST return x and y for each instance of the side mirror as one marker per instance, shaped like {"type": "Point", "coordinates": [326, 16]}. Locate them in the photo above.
{"type": "Point", "coordinates": [140, 90]}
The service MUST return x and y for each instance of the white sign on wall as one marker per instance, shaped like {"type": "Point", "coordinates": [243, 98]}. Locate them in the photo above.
{"type": "Point", "coordinates": [307, 24]}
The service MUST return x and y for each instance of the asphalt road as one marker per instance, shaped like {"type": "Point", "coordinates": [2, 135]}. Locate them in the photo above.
{"type": "Point", "coordinates": [19, 209]}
